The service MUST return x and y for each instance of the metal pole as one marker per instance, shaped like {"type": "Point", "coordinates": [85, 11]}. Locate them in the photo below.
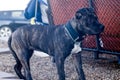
{"type": "Point", "coordinates": [96, 53]}
{"type": "Point", "coordinates": [36, 8]}
{"type": "Point", "coordinates": [91, 4]}
{"type": "Point", "coordinates": [49, 13]}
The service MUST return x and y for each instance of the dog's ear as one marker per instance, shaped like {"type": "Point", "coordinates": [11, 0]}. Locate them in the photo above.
{"type": "Point", "coordinates": [78, 15]}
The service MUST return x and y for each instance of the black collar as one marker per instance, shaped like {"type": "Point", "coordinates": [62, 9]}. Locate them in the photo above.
{"type": "Point", "coordinates": [75, 36]}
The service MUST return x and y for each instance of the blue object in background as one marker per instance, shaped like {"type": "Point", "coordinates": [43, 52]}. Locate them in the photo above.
{"type": "Point", "coordinates": [30, 11]}
{"type": "Point", "coordinates": [43, 2]}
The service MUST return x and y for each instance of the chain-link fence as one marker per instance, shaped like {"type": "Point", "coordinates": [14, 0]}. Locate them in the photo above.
{"type": "Point", "coordinates": [108, 12]}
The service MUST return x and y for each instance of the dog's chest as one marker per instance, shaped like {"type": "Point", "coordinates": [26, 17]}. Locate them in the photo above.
{"type": "Point", "coordinates": [77, 48]}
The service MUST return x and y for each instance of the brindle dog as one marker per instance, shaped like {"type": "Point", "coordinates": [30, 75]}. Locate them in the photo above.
{"type": "Point", "coordinates": [57, 41]}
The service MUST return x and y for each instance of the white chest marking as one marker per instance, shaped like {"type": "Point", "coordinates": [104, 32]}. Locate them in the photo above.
{"type": "Point", "coordinates": [76, 48]}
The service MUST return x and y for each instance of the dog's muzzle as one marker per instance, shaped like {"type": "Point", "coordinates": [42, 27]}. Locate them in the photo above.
{"type": "Point", "coordinates": [99, 28]}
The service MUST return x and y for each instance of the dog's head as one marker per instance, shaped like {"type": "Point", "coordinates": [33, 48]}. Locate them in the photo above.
{"type": "Point", "coordinates": [87, 21]}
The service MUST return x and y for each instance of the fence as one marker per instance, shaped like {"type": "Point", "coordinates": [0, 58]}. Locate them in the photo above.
{"type": "Point", "coordinates": [108, 12]}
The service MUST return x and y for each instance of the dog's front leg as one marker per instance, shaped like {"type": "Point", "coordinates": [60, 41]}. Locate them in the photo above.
{"type": "Point", "coordinates": [60, 67]}
{"type": "Point", "coordinates": [78, 65]}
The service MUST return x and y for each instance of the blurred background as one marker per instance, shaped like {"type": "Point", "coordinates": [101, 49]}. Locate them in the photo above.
{"type": "Point", "coordinates": [11, 16]}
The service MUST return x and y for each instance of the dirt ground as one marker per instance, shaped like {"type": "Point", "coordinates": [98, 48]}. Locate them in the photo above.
{"type": "Point", "coordinates": [42, 68]}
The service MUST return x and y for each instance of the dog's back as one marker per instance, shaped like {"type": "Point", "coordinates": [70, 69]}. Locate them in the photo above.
{"type": "Point", "coordinates": [37, 37]}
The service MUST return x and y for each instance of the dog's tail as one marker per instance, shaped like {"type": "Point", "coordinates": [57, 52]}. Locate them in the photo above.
{"type": "Point", "coordinates": [9, 43]}
{"type": "Point", "coordinates": [11, 49]}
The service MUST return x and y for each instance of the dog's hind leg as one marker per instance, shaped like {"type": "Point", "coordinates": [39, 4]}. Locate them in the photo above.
{"type": "Point", "coordinates": [18, 68]}
{"type": "Point", "coordinates": [24, 57]}
{"type": "Point", "coordinates": [18, 65]}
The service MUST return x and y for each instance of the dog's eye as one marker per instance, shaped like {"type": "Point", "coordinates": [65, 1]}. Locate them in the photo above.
{"type": "Point", "coordinates": [78, 15]}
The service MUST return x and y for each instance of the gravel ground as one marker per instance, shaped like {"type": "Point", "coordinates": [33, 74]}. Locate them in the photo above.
{"type": "Point", "coordinates": [42, 68]}
{"type": "Point", "coordinates": [3, 44]}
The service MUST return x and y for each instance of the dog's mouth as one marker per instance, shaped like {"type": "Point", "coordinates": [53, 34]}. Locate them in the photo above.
{"type": "Point", "coordinates": [94, 31]}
